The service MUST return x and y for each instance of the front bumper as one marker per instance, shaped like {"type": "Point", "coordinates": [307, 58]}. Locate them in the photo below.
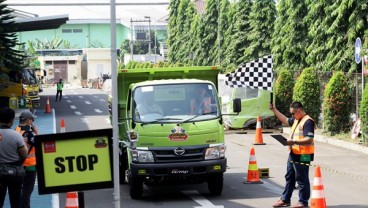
{"type": "Point", "coordinates": [178, 169]}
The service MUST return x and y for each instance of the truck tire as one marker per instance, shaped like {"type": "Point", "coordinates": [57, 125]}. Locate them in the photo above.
{"type": "Point", "coordinates": [215, 183]}
{"type": "Point", "coordinates": [136, 187]}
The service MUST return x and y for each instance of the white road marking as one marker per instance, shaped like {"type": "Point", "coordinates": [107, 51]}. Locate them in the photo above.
{"type": "Point", "coordinates": [95, 96]}
{"type": "Point", "coordinates": [55, 200]}
{"type": "Point", "coordinates": [73, 107]}
{"type": "Point", "coordinates": [78, 113]}
{"type": "Point", "coordinates": [102, 100]}
{"type": "Point", "coordinates": [80, 96]}
{"type": "Point", "coordinates": [87, 102]}
{"type": "Point", "coordinates": [68, 101]}
{"type": "Point", "coordinates": [98, 111]}
{"type": "Point", "coordinates": [54, 120]}
{"type": "Point", "coordinates": [197, 197]}
{"type": "Point", "coordinates": [54, 197]}
{"type": "Point", "coordinates": [66, 97]}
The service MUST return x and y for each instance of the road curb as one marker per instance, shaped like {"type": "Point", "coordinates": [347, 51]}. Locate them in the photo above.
{"type": "Point", "coordinates": [335, 142]}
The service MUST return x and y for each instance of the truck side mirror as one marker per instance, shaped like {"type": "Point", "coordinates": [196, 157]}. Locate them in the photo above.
{"type": "Point", "coordinates": [237, 105]}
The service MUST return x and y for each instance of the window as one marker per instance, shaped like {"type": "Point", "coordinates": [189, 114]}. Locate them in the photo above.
{"type": "Point", "coordinates": [77, 30]}
{"type": "Point", "coordinates": [66, 30]}
{"type": "Point", "coordinates": [72, 30]}
{"type": "Point", "coordinates": [71, 62]}
{"type": "Point", "coordinates": [245, 93]}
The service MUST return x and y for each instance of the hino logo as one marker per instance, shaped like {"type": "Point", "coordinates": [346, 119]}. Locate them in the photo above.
{"type": "Point", "coordinates": [179, 151]}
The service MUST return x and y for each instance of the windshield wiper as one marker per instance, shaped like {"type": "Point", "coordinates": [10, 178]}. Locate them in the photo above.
{"type": "Point", "coordinates": [160, 119]}
{"type": "Point", "coordinates": [196, 117]}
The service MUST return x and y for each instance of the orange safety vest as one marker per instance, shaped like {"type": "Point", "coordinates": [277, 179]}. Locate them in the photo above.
{"type": "Point", "coordinates": [297, 129]}
{"type": "Point", "coordinates": [31, 158]}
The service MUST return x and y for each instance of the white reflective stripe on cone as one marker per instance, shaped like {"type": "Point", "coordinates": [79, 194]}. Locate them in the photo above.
{"type": "Point", "coordinates": [318, 194]}
{"type": "Point", "coordinates": [317, 181]}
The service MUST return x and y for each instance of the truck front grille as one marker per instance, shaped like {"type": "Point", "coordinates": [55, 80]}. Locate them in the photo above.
{"type": "Point", "coordinates": [167, 155]}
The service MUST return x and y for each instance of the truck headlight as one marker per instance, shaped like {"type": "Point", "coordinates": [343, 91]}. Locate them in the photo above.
{"type": "Point", "coordinates": [215, 152]}
{"type": "Point", "coordinates": [142, 156]}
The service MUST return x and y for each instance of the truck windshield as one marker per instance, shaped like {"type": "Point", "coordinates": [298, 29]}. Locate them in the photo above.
{"type": "Point", "coordinates": [28, 76]}
{"type": "Point", "coordinates": [173, 103]}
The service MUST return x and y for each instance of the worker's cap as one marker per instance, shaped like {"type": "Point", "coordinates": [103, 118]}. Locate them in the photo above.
{"type": "Point", "coordinates": [25, 115]}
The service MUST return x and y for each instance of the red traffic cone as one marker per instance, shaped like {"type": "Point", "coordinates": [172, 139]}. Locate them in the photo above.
{"type": "Point", "coordinates": [62, 126]}
{"type": "Point", "coordinates": [318, 194]}
{"type": "Point", "coordinates": [253, 174]}
{"type": "Point", "coordinates": [71, 200]}
{"type": "Point", "coordinates": [47, 109]}
{"type": "Point", "coordinates": [259, 139]}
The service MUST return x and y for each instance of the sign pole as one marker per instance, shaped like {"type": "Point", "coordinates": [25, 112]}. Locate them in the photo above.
{"type": "Point", "coordinates": [115, 129]}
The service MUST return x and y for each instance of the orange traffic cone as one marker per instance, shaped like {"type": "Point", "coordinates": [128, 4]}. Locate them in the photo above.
{"type": "Point", "coordinates": [48, 109]}
{"type": "Point", "coordinates": [318, 194]}
{"type": "Point", "coordinates": [71, 200]}
{"type": "Point", "coordinates": [253, 174]}
{"type": "Point", "coordinates": [258, 139]}
{"type": "Point", "coordinates": [62, 126]}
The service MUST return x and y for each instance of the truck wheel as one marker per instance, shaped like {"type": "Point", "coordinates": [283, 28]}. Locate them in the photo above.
{"type": "Point", "coordinates": [215, 183]}
{"type": "Point", "coordinates": [123, 167]}
{"type": "Point", "coordinates": [136, 187]}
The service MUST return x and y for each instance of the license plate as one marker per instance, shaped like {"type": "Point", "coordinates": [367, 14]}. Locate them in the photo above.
{"type": "Point", "coordinates": [178, 171]}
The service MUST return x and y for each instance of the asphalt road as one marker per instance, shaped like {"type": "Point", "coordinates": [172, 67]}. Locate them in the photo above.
{"type": "Point", "coordinates": [344, 172]}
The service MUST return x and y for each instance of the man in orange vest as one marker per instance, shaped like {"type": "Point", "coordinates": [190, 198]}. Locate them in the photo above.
{"type": "Point", "coordinates": [28, 131]}
{"type": "Point", "coordinates": [301, 143]}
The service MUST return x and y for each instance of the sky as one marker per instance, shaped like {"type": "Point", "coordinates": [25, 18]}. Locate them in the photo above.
{"type": "Point", "coordinates": [123, 12]}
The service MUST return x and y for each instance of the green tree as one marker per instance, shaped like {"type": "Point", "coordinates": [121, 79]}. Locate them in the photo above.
{"type": "Point", "coordinates": [172, 30]}
{"type": "Point", "coordinates": [209, 33]}
{"type": "Point", "coordinates": [187, 11]}
{"type": "Point", "coordinates": [223, 24]}
{"type": "Point", "coordinates": [319, 18]}
{"type": "Point", "coordinates": [307, 91]}
{"type": "Point", "coordinates": [284, 91]}
{"type": "Point", "coordinates": [292, 30]}
{"type": "Point", "coordinates": [195, 42]}
{"type": "Point", "coordinates": [279, 34]}
{"type": "Point", "coordinates": [10, 57]}
{"type": "Point", "coordinates": [228, 51]}
{"type": "Point", "coordinates": [242, 29]}
{"type": "Point", "coordinates": [350, 20]}
{"type": "Point", "coordinates": [261, 20]}
{"type": "Point", "coordinates": [337, 104]}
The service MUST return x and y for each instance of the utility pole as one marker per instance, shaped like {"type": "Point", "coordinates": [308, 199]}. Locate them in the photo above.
{"type": "Point", "coordinates": [155, 40]}
{"type": "Point", "coordinates": [149, 34]}
{"type": "Point", "coordinates": [131, 40]}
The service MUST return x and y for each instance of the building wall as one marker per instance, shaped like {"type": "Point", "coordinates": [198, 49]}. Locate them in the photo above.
{"type": "Point", "coordinates": [79, 35]}
{"type": "Point", "coordinates": [71, 73]}
{"type": "Point", "coordinates": [99, 62]}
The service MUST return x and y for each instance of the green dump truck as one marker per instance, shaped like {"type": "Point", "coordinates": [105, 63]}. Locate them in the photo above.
{"type": "Point", "coordinates": [167, 135]}
{"type": "Point", "coordinates": [22, 84]}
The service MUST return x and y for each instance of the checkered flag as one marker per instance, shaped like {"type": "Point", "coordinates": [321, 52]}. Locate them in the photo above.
{"type": "Point", "coordinates": [256, 74]}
